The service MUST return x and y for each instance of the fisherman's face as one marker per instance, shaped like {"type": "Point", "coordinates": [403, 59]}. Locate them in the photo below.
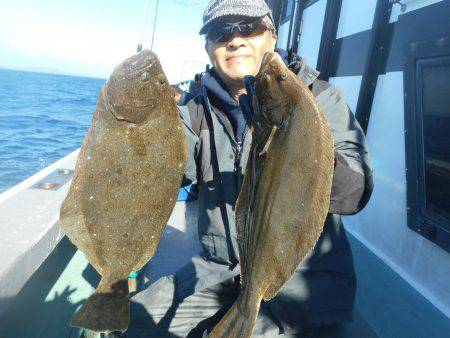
{"type": "Point", "coordinates": [177, 97]}
{"type": "Point", "coordinates": [239, 55]}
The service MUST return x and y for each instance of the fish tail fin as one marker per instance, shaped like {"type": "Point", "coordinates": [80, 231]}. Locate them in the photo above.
{"type": "Point", "coordinates": [107, 310]}
{"type": "Point", "coordinates": [238, 322]}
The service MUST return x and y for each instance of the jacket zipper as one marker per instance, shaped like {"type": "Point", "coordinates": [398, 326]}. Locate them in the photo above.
{"type": "Point", "coordinates": [239, 148]}
{"type": "Point", "coordinates": [237, 159]}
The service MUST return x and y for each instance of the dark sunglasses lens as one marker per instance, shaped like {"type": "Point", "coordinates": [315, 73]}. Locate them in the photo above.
{"type": "Point", "coordinates": [219, 35]}
{"type": "Point", "coordinates": [248, 29]}
{"type": "Point", "coordinates": [224, 37]}
{"type": "Point", "coordinates": [225, 33]}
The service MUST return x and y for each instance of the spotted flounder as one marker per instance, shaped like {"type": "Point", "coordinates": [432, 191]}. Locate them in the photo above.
{"type": "Point", "coordinates": [285, 195]}
{"type": "Point", "coordinates": [126, 183]}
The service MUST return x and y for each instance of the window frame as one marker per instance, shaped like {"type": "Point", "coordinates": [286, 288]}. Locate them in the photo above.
{"type": "Point", "coordinates": [307, 3]}
{"type": "Point", "coordinates": [421, 54]}
{"type": "Point", "coordinates": [285, 19]}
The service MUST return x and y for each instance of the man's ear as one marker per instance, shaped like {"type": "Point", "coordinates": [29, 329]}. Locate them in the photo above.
{"type": "Point", "coordinates": [211, 57]}
{"type": "Point", "coordinates": [207, 48]}
{"type": "Point", "coordinates": [274, 40]}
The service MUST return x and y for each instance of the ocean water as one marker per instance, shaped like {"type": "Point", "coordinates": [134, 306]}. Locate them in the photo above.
{"type": "Point", "coordinates": [43, 117]}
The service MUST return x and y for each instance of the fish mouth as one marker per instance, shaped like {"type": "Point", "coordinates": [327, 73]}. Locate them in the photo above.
{"type": "Point", "coordinates": [269, 57]}
{"type": "Point", "coordinates": [265, 57]}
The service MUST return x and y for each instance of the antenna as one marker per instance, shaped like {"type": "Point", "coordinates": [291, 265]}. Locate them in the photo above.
{"type": "Point", "coordinates": [144, 25]}
{"type": "Point", "coordinates": [154, 24]}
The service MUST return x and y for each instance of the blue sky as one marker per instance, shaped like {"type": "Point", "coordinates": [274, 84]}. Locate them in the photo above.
{"type": "Point", "coordinates": [91, 37]}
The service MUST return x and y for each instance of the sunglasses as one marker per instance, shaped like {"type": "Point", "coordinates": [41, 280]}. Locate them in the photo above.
{"type": "Point", "coordinates": [224, 32]}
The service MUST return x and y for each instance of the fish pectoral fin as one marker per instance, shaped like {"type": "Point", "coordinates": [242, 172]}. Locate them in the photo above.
{"type": "Point", "coordinates": [269, 141]}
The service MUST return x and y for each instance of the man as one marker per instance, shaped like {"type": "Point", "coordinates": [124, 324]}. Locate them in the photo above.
{"type": "Point", "coordinates": [194, 89]}
{"type": "Point", "coordinates": [178, 94]}
{"type": "Point", "coordinates": [321, 292]}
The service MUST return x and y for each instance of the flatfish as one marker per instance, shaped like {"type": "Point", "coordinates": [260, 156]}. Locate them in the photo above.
{"type": "Point", "coordinates": [285, 195]}
{"type": "Point", "coordinates": [127, 177]}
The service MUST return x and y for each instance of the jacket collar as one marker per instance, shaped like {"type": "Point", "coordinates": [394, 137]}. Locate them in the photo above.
{"type": "Point", "coordinates": [306, 73]}
{"type": "Point", "coordinates": [212, 82]}
{"type": "Point", "coordinates": [299, 66]}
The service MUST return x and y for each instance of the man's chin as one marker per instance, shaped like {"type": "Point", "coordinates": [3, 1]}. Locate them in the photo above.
{"type": "Point", "coordinates": [239, 76]}
{"type": "Point", "coordinates": [241, 69]}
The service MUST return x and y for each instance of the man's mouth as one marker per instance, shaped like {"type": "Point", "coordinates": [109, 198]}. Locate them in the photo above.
{"type": "Point", "coordinates": [237, 57]}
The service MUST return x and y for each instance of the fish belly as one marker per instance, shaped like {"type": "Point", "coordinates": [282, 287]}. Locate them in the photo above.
{"type": "Point", "coordinates": [126, 183]}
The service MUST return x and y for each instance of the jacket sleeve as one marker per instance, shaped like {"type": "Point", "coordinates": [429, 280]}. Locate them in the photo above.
{"type": "Point", "coordinates": [352, 179]}
{"type": "Point", "coordinates": [193, 143]}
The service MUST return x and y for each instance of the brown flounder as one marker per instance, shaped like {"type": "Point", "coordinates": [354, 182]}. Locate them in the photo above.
{"type": "Point", "coordinates": [126, 182]}
{"type": "Point", "coordinates": [285, 195]}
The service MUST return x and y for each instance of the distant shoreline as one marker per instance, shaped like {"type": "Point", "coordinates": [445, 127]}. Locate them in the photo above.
{"type": "Point", "coordinates": [49, 71]}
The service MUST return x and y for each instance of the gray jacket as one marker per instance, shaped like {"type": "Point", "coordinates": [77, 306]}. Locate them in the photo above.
{"type": "Point", "coordinates": [322, 290]}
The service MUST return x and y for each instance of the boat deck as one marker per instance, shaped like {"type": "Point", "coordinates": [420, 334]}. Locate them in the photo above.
{"type": "Point", "coordinates": [44, 279]}
{"type": "Point", "coordinates": [386, 306]}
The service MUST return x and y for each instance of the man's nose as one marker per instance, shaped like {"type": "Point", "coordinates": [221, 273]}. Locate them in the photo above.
{"type": "Point", "coordinates": [237, 40]}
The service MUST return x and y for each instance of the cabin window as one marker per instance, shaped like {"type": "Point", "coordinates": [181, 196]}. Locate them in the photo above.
{"type": "Point", "coordinates": [287, 10]}
{"type": "Point", "coordinates": [434, 120]}
{"type": "Point", "coordinates": [427, 122]}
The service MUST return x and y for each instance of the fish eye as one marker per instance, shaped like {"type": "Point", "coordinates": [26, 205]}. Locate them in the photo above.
{"type": "Point", "coordinates": [283, 75]}
{"type": "Point", "coordinates": [145, 76]}
{"type": "Point", "coordinates": [266, 78]}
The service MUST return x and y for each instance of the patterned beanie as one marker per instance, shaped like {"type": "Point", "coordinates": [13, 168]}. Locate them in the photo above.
{"type": "Point", "coordinates": [220, 8]}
